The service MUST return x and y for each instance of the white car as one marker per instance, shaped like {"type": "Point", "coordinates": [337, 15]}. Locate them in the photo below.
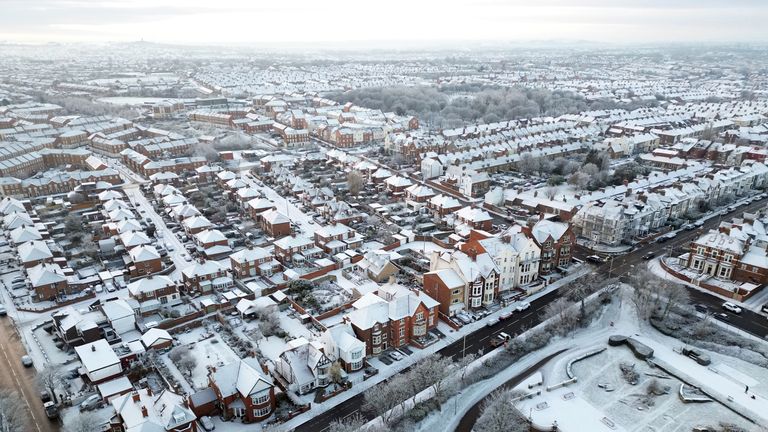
{"type": "Point", "coordinates": [395, 355]}
{"type": "Point", "coordinates": [730, 307]}
{"type": "Point", "coordinates": [522, 306]}
{"type": "Point", "coordinates": [207, 423]}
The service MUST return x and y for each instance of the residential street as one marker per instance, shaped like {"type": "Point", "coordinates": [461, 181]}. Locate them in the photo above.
{"type": "Point", "coordinates": [17, 378]}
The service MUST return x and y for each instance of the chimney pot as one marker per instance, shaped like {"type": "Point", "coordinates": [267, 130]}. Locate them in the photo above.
{"type": "Point", "coordinates": [136, 397]}
{"type": "Point", "coordinates": [144, 412]}
{"type": "Point", "coordinates": [93, 348]}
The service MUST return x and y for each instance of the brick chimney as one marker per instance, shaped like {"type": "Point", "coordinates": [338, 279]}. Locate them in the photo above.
{"type": "Point", "coordinates": [135, 396]}
{"type": "Point", "coordinates": [149, 391]}
{"type": "Point", "coordinates": [144, 412]}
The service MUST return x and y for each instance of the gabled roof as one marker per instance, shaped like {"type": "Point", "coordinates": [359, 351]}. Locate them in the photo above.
{"type": "Point", "coordinates": [242, 377]}
{"type": "Point", "coordinates": [149, 284]}
{"type": "Point", "coordinates": [46, 274]}
{"type": "Point", "coordinates": [250, 255]}
{"type": "Point", "coordinates": [155, 336]}
{"type": "Point", "coordinates": [34, 251]}
{"type": "Point", "coordinates": [143, 253]}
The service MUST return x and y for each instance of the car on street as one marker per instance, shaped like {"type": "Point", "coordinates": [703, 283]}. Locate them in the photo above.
{"type": "Point", "coordinates": [500, 339]}
{"type": "Point", "coordinates": [698, 224]}
{"type": "Point", "coordinates": [597, 259]}
{"type": "Point", "coordinates": [3, 311]}
{"type": "Point", "coordinates": [506, 315]}
{"type": "Point", "coordinates": [722, 316]}
{"type": "Point", "coordinates": [689, 227]}
{"type": "Point", "coordinates": [395, 355]}
{"type": "Point", "coordinates": [731, 307]}
{"type": "Point", "coordinates": [26, 361]}
{"type": "Point", "coordinates": [492, 322]}
{"type": "Point", "coordinates": [456, 322]}
{"type": "Point", "coordinates": [522, 306]}
{"type": "Point", "coordinates": [648, 256]}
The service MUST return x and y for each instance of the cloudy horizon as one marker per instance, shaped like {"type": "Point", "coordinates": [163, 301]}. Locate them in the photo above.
{"type": "Point", "coordinates": [337, 21]}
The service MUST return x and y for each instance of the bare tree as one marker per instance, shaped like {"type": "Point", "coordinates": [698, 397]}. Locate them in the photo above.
{"type": "Point", "coordinates": [11, 412]}
{"type": "Point", "coordinates": [500, 415]}
{"type": "Point", "coordinates": [269, 322]}
{"type": "Point", "coordinates": [83, 422]}
{"type": "Point", "coordinates": [353, 423]}
{"type": "Point", "coordinates": [561, 314]}
{"type": "Point", "coordinates": [647, 292]}
{"type": "Point", "coordinates": [183, 359]}
{"type": "Point", "coordinates": [675, 295]}
{"type": "Point", "coordinates": [355, 182]}
{"type": "Point", "coordinates": [335, 373]}
{"type": "Point", "coordinates": [48, 379]}
{"type": "Point", "coordinates": [382, 399]}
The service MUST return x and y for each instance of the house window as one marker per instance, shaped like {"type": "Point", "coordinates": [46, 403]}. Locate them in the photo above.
{"type": "Point", "coordinates": [356, 355]}
{"type": "Point", "coordinates": [377, 339]}
{"type": "Point", "coordinates": [402, 332]}
{"type": "Point", "coordinates": [714, 254]}
{"type": "Point", "coordinates": [356, 365]}
{"type": "Point", "coordinates": [725, 272]}
{"type": "Point", "coordinates": [261, 412]}
{"type": "Point", "coordinates": [455, 292]}
{"type": "Point", "coordinates": [728, 257]}
{"type": "Point", "coordinates": [419, 316]}
{"type": "Point", "coordinates": [260, 398]}
{"type": "Point", "coordinates": [163, 300]}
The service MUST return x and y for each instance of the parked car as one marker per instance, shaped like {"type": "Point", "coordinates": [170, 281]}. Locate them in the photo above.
{"type": "Point", "coordinates": [689, 227]}
{"type": "Point", "coordinates": [730, 307]}
{"type": "Point", "coordinates": [26, 361]}
{"type": "Point", "coordinates": [500, 339]}
{"type": "Point", "coordinates": [464, 318]}
{"type": "Point", "coordinates": [3, 311]}
{"type": "Point", "coordinates": [396, 355]}
{"type": "Point", "coordinates": [492, 322]}
{"type": "Point", "coordinates": [522, 306]}
{"type": "Point", "coordinates": [505, 315]}
{"type": "Point", "coordinates": [91, 402]}
{"type": "Point", "coordinates": [51, 410]}
{"type": "Point", "coordinates": [698, 224]}
{"type": "Point", "coordinates": [207, 423]}
{"type": "Point", "coordinates": [456, 321]}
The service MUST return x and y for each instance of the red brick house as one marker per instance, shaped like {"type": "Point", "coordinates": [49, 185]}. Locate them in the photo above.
{"type": "Point", "coordinates": [203, 277]}
{"type": "Point", "coordinates": [253, 261]}
{"type": "Point", "coordinates": [556, 240]}
{"type": "Point", "coordinates": [336, 238]}
{"type": "Point", "coordinates": [143, 410]}
{"type": "Point", "coordinates": [275, 224]}
{"type": "Point", "coordinates": [395, 316]}
{"type": "Point", "coordinates": [243, 390]}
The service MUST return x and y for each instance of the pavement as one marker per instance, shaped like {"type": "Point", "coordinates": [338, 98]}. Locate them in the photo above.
{"type": "Point", "coordinates": [15, 377]}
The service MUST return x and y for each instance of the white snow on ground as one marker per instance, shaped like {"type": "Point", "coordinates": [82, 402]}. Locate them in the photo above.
{"type": "Point", "coordinates": [177, 375]}
{"type": "Point", "coordinates": [208, 353]}
{"type": "Point", "coordinates": [669, 414]}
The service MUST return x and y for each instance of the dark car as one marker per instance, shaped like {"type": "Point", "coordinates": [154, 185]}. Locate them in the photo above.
{"type": "Point", "coordinates": [697, 355]}
{"type": "Point", "coordinates": [648, 256]}
{"type": "Point", "coordinates": [765, 308]}
{"type": "Point", "coordinates": [722, 316]}
{"type": "Point", "coordinates": [701, 308]}
{"type": "Point", "coordinates": [597, 259]}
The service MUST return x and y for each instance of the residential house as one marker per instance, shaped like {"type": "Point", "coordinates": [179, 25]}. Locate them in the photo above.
{"type": "Point", "coordinates": [304, 366]}
{"type": "Point", "coordinates": [243, 390]}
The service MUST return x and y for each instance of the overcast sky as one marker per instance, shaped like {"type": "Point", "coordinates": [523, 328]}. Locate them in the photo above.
{"type": "Point", "coordinates": [259, 21]}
